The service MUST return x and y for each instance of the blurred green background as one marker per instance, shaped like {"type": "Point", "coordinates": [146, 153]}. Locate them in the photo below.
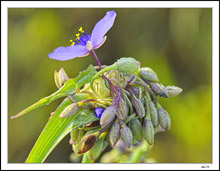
{"type": "Point", "coordinates": [176, 43]}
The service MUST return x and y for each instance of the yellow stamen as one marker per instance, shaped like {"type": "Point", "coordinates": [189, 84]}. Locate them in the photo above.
{"type": "Point", "coordinates": [81, 30]}
{"type": "Point", "coordinates": [77, 36]}
{"type": "Point", "coordinates": [71, 40]}
{"type": "Point", "coordinates": [73, 43]}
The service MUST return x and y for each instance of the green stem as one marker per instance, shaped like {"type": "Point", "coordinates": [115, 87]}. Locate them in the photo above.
{"type": "Point", "coordinates": [85, 159]}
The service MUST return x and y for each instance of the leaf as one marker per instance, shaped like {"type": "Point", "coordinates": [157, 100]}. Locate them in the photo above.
{"type": "Point", "coordinates": [57, 128]}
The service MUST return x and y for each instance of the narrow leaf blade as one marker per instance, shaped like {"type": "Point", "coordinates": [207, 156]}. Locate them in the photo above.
{"type": "Point", "coordinates": [57, 128]}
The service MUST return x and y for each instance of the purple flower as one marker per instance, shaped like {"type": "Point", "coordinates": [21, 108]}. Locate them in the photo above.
{"type": "Point", "coordinates": [86, 43]}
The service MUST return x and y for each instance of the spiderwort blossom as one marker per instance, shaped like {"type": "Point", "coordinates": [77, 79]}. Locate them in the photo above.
{"type": "Point", "coordinates": [86, 43]}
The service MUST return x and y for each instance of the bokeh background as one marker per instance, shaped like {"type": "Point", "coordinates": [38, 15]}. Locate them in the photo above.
{"type": "Point", "coordinates": [176, 43]}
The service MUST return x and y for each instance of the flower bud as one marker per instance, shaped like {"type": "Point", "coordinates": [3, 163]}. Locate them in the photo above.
{"type": "Point", "coordinates": [56, 79]}
{"type": "Point", "coordinates": [63, 77]}
{"type": "Point", "coordinates": [74, 136]}
{"type": "Point", "coordinates": [164, 118]}
{"type": "Point", "coordinates": [60, 77]}
{"type": "Point", "coordinates": [76, 143]}
{"type": "Point", "coordinates": [122, 106]}
{"type": "Point", "coordinates": [160, 90]}
{"type": "Point", "coordinates": [148, 131]}
{"type": "Point", "coordinates": [173, 91]}
{"type": "Point", "coordinates": [108, 115]}
{"type": "Point", "coordinates": [88, 142]}
{"type": "Point", "coordinates": [153, 113]}
{"type": "Point", "coordinates": [96, 150]}
{"type": "Point", "coordinates": [70, 110]}
{"type": "Point", "coordinates": [136, 129]}
{"type": "Point", "coordinates": [114, 133]}
{"type": "Point", "coordinates": [126, 136]}
{"type": "Point", "coordinates": [127, 65]}
{"type": "Point", "coordinates": [138, 106]}
{"type": "Point", "coordinates": [148, 74]}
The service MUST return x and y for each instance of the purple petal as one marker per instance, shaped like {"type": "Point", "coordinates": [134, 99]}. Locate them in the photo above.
{"type": "Point", "coordinates": [70, 52]}
{"type": "Point", "coordinates": [101, 28]}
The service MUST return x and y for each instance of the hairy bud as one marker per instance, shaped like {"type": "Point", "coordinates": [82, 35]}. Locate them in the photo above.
{"type": "Point", "coordinates": [148, 74]}
{"type": "Point", "coordinates": [138, 106]}
{"type": "Point", "coordinates": [70, 110]}
{"type": "Point", "coordinates": [164, 118]}
{"type": "Point", "coordinates": [127, 65]}
{"type": "Point", "coordinates": [114, 132]}
{"type": "Point", "coordinates": [136, 129]}
{"type": "Point", "coordinates": [173, 91]}
{"type": "Point", "coordinates": [126, 136]}
{"type": "Point", "coordinates": [108, 115]}
{"type": "Point", "coordinates": [160, 90]}
{"type": "Point", "coordinates": [153, 113]}
{"type": "Point", "coordinates": [148, 131]}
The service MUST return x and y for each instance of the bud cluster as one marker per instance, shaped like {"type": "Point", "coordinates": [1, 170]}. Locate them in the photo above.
{"type": "Point", "coordinates": [125, 103]}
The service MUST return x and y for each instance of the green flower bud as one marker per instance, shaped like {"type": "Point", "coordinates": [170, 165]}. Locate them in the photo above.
{"type": "Point", "coordinates": [88, 142]}
{"type": "Point", "coordinates": [56, 79]}
{"type": "Point", "coordinates": [108, 115]}
{"type": "Point", "coordinates": [160, 90]}
{"type": "Point", "coordinates": [60, 77]}
{"type": "Point", "coordinates": [126, 136]}
{"type": "Point", "coordinates": [114, 133]}
{"type": "Point", "coordinates": [153, 113]}
{"type": "Point", "coordinates": [148, 131]}
{"type": "Point", "coordinates": [70, 110]}
{"type": "Point", "coordinates": [76, 143]}
{"type": "Point", "coordinates": [164, 118]}
{"type": "Point", "coordinates": [136, 129]}
{"type": "Point", "coordinates": [138, 106]}
{"type": "Point", "coordinates": [74, 136]}
{"type": "Point", "coordinates": [148, 74]}
{"type": "Point", "coordinates": [127, 65]}
{"type": "Point", "coordinates": [173, 91]}
{"type": "Point", "coordinates": [122, 106]}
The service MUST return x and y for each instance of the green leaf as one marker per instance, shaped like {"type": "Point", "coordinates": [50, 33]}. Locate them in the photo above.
{"type": "Point", "coordinates": [57, 128]}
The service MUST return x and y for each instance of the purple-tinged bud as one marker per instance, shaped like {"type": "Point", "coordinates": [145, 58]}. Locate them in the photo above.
{"type": "Point", "coordinates": [138, 106]}
{"type": "Point", "coordinates": [70, 110]}
{"type": "Point", "coordinates": [153, 113]}
{"type": "Point", "coordinates": [126, 136]}
{"type": "Point", "coordinates": [122, 106]}
{"type": "Point", "coordinates": [108, 115]}
{"type": "Point", "coordinates": [164, 118]}
{"type": "Point", "coordinates": [127, 65]}
{"type": "Point", "coordinates": [148, 131]}
{"type": "Point", "coordinates": [173, 91]}
{"type": "Point", "coordinates": [148, 74]}
{"type": "Point", "coordinates": [160, 90]}
{"type": "Point", "coordinates": [136, 129]}
{"type": "Point", "coordinates": [114, 133]}
{"type": "Point", "coordinates": [99, 111]}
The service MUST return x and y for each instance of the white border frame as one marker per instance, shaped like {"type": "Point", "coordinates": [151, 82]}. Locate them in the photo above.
{"type": "Point", "coordinates": [110, 4]}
